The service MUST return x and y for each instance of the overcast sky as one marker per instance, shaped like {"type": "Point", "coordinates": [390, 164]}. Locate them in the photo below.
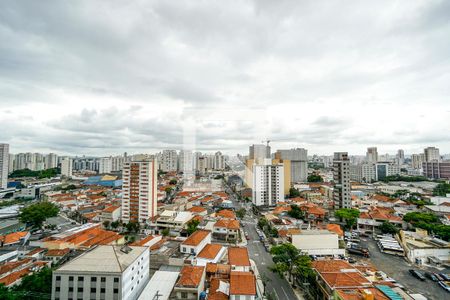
{"type": "Point", "coordinates": [103, 77]}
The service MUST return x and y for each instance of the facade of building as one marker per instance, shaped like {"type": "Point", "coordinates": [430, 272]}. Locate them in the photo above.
{"type": "Point", "coordinates": [105, 165]}
{"type": "Point", "coordinates": [51, 161]}
{"type": "Point", "coordinates": [259, 152]}
{"type": "Point", "coordinates": [219, 161]}
{"type": "Point", "coordinates": [299, 163]}
{"type": "Point", "coordinates": [372, 155]}
{"type": "Point", "coordinates": [139, 191]}
{"type": "Point", "coordinates": [106, 272]}
{"type": "Point", "coordinates": [268, 183]}
{"type": "Point", "coordinates": [169, 160]}
{"type": "Point", "coordinates": [66, 167]}
{"type": "Point", "coordinates": [432, 154]}
{"type": "Point", "coordinates": [417, 160]}
{"type": "Point", "coordinates": [4, 165]}
{"type": "Point", "coordinates": [341, 178]}
{"type": "Point", "coordinates": [436, 170]}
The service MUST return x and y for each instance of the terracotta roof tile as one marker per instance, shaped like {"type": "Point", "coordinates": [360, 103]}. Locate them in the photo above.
{"type": "Point", "coordinates": [238, 256]}
{"type": "Point", "coordinates": [229, 224]}
{"type": "Point", "coordinates": [195, 238]}
{"type": "Point", "coordinates": [190, 276]}
{"type": "Point", "coordinates": [57, 252]}
{"type": "Point", "coordinates": [242, 283]}
{"type": "Point", "coordinates": [210, 251]}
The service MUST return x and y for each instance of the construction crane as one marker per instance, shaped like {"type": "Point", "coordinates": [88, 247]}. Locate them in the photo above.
{"type": "Point", "coordinates": [269, 141]}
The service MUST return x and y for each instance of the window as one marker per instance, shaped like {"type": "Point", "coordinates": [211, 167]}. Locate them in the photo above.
{"type": "Point", "coordinates": [93, 290]}
{"type": "Point", "coordinates": [70, 278]}
{"type": "Point", "coordinates": [80, 289]}
{"type": "Point", "coordinates": [70, 289]}
{"type": "Point", "coordinates": [57, 289]}
{"type": "Point", "coordinates": [116, 279]}
{"type": "Point", "coordinates": [103, 279]}
{"type": "Point", "coordinates": [116, 291]}
{"type": "Point", "coordinates": [102, 290]}
{"type": "Point", "coordinates": [58, 278]}
{"type": "Point", "coordinates": [183, 295]}
{"type": "Point", "coordinates": [93, 279]}
{"type": "Point", "coordinates": [80, 278]}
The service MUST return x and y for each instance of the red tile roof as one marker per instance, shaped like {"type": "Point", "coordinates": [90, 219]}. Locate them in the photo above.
{"type": "Point", "coordinates": [210, 251]}
{"type": "Point", "coordinates": [238, 256]}
{"type": "Point", "coordinates": [190, 276]}
{"type": "Point", "coordinates": [242, 283]}
{"type": "Point", "coordinates": [214, 294]}
{"type": "Point", "coordinates": [226, 213]}
{"type": "Point", "coordinates": [229, 224]}
{"type": "Point", "coordinates": [57, 252]}
{"type": "Point", "coordinates": [196, 238]}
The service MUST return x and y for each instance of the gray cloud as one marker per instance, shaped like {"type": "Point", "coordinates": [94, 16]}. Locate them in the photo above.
{"type": "Point", "coordinates": [103, 77]}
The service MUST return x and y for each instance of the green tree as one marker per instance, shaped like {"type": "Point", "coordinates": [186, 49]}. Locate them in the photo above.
{"type": "Point", "coordinates": [296, 212]}
{"type": "Point", "coordinates": [240, 213]}
{"type": "Point", "coordinates": [262, 223]}
{"type": "Point", "coordinates": [349, 215]}
{"type": "Point", "coordinates": [132, 227]}
{"type": "Point", "coordinates": [192, 226]}
{"type": "Point", "coordinates": [442, 189]}
{"type": "Point", "coordinates": [415, 217]}
{"type": "Point", "coordinates": [287, 258]}
{"type": "Point", "coordinates": [165, 232]}
{"type": "Point", "coordinates": [168, 190]}
{"type": "Point", "coordinates": [36, 214]}
{"type": "Point", "coordinates": [315, 178]}
{"type": "Point", "coordinates": [106, 224]}
{"type": "Point", "coordinates": [115, 224]}
{"type": "Point", "coordinates": [39, 282]}
{"type": "Point", "coordinates": [293, 193]}
{"type": "Point", "coordinates": [387, 227]}
{"type": "Point", "coordinates": [173, 181]}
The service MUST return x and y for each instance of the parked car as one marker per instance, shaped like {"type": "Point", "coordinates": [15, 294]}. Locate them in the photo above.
{"type": "Point", "coordinates": [417, 274]}
{"type": "Point", "coordinates": [445, 285]}
{"type": "Point", "coordinates": [446, 277]}
{"type": "Point", "coordinates": [431, 276]}
{"type": "Point", "coordinates": [438, 276]}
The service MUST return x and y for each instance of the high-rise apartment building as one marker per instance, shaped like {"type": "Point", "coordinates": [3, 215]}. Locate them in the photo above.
{"type": "Point", "coordinates": [259, 152]}
{"type": "Point", "coordinates": [268, 183]}
{"type": "Point", "coordinates": [432, 154]}
{"type": "Point", "coordinates": [400, 157]}
{"type": "Point", "coordinates": [169, 160]}
{"type": "Point", "coordinates": [219, 161]}
{"type": "Point", "coordinates": [341, 177]}
{"type": "Point", "coordinates": [11, 163]}
{"type": "Point", "coordinates": [117, 163]}
{"type": "Point", "coordinates": [139, 190]}
{"type": "Point", "coordinates": [372, 155]}
{"type": "Point", "coordinates": [299, 163]}
{"type": "Point", "coordinates": [436, 169]}
{"type": "Point", "coordinates": [51, 161]}
{"type": "Point", "coordinates": [417, 160]}
{"type": "Point", "coordinates": [66, 166]}
{"type": "Point", "coordinates": [105, 165]}
{"type": "Point", "coordinates": [4, 163]}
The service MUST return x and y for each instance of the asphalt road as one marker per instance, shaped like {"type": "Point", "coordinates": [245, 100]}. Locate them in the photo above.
{"type": "Point", "coordinates": [397, 268]}
{"type": "Point", "coordinates": [263, 260]}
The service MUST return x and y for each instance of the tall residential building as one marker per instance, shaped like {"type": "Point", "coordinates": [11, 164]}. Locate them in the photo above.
{"type": "Point", "coordinates": [4, 163]}
{"type": "Point", "coordinates": [169, 160]}
{"type": "Point", "coordinates": [219, 161]}
{"type": "Point", "coordinates": [432, 154]}
{"type": "Point", "coordinates": [139, 191]}
{"type": "Point", "coordinates": [11, 163]}
{"type": "Point", "coordinates": [51, 161]}
{"type": "Point", "coordinates": [105, 165]}
{"type": "Point", "coordinates": [372, 155]}
{"type": "Point", "coordinates": [66, 166]}
{"type": "Point", "coordinates": [259, 152]}
{"type": "Point", "coordinates": [19, 161]}
{"type": "Point", "coordinates": [369, 172]}
{"type": "Point", "coordinates": [117, 163]}
{"type": "Point", "coordinates": [268, 183]}
{"type": "Point", "coordinates": [341, 177]}
{"type": "Point", "coordinates": [106, 272]}
{"type": "Point", "coordinates": [417, 160]}
{"type": "Point", "coordinates": [400, 157]}
{"type": "Point", "coordinates": [299, 163]}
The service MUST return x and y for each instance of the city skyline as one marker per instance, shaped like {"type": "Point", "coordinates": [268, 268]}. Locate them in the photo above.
{"type": "Point", "coordinates": [116, 83]}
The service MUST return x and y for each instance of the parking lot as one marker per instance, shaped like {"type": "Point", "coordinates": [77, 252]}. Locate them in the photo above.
{"type": "Point", "coordinates": [398, 268]}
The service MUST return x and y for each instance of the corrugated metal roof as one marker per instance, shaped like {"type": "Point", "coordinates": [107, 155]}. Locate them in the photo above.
{"type": "Point", "coordinates": [390, 293]}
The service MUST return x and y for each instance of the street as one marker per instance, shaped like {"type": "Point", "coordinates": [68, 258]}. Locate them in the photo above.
{"type": "Point", "coordinates": [397, 268]}
{"type": "Point", "coordinates": [278, 286]}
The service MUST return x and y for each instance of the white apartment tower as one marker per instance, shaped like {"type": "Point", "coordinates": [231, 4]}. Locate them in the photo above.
{"type": "Point", "coordinates": [400, 157]}
{"type": "Point", "coordinates": [66, 166]}
{"type": "Point", "coordinates": [139, 191]}
{"type": "Point", "coordinates": [169, 160]}
{"type": "Point", "coordinates": [4, 163]}
{"type": "Point", "coordinates": [51, 161]}
{"type": "Point", "coordinates": [259, 152]}
{"type": "Point", "coordinates": [417, 160]}
{"type": "Point", "coordinates": [219, 161]}
{"type": "Point", "coordinates": [372, 155]}
{"type": "Point", "coordinates": [341, 177]}
{"type": "Point", "coordinates": [105, 165]}
{"type": "Point", "coordinates": [268, 183]}
{"type": "Point", "coordinates": [432, 154]}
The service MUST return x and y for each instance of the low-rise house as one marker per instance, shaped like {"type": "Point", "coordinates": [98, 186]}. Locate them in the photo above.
{"type": "Point", "coordinates": [423, 249]}
{"type": "Point", "coordinates": [175, 221]}
{"type": "Point", "coordinates": [198, 210]}
{"type": "Point", "coordinates": [242, 286]}
{"type": "Point", "coordinates": [226, 229]}
{"type": "Point", "coordinates": [56, 255]}
{"type": "Point", "coordinates": [211, 253]}
{"type": "Point", "coordinates": [238, 259]}
{"type": "Point", "coordinates": [111, 213]}
{"type": "Point", "coordinates": [14, 238]}
{"type": "Point", "coordinates": [226, 213]}
{"type": "Point", "coordinates": [191, 283]}
{"type": "Point", "coordinates": [148, 241]}
{"type": "Point", "coordinates": [196, 242]}
{"type": "Point", "coordinates": [372, 219]}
